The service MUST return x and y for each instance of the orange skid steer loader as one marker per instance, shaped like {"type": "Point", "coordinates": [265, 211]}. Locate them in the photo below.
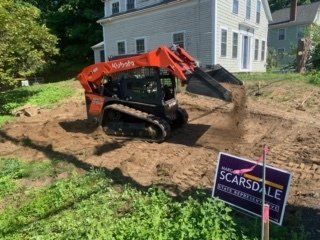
{"type": "Point", "coordinates": [135, 96]}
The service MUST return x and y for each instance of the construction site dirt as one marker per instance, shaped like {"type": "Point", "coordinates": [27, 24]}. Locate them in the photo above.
{"type": "Point", "coordinates": [188, 159]}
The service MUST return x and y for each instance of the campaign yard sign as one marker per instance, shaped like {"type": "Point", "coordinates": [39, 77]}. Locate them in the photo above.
{"type": "Point", "coordinates": [245, 191]}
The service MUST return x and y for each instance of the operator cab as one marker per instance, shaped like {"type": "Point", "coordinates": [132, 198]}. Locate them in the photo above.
{"type": "Point", "coordinates": [145, 85]}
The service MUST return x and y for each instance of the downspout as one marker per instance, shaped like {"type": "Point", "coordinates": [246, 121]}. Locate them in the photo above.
{"type": "Point", "coordinates": [199, 31]}
{"type": "Point", "coordinates": [214, 11]}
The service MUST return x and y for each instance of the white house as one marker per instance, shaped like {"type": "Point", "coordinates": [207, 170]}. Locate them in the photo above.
{"type": "Point", "coordinates": [232, 33]}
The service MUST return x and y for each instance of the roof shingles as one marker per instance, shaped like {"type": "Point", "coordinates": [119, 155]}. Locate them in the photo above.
{"type": "Point", "coordinates": [306, 14]}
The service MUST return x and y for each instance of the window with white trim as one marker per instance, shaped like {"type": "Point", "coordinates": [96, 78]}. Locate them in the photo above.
{"type": "Point", "coordinates": [263, 50]}
{"type": "Point", "coordinates": [235, 42]}
{"type": "Point", "coordinates": [178, 39]}
{"type": "Point", "coordinates": [130, 4]}
{"type": "Point", "coordinates": [235, 6]}
{"type": "Point", "coordinates": [115, 7]}
{"type": "Point", "coordinates": [280, 53]}
{"type": "Point", "coordinates": [281, 34]}
{"type": "Point", "coordinates": [224, 39]}
{"type": "Point", "coordinates": [248, 9]}
{"type": "Point", "coordinates": [140, 45]}
{"type": "Point", "coordinates": [258, 13]}
{"type": "Point", "coordinates": [121, 45]}
{"type": "Point", "coordinates": [256, 49]}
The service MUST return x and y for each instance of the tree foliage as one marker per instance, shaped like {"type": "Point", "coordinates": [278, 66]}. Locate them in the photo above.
{"type": "Point", "coordinates": [279, 4]}
{"type": "Point", "coordinates": [313, 33]}
{"type": "Point", "coordinates": [26, 45]}
{"type": "Point", "coordinates": [75, 24]}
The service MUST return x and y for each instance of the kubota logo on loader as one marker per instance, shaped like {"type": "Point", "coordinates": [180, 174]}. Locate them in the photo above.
{"type": "Point", "coordinates": [123, 64]}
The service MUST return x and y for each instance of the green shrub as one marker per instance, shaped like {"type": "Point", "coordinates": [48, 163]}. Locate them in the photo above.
{"type": "Point", "coordinates": [26, 45]}
{"type": "Point", "coordinates": [314, 78]}
{"type": "Point", "coordinates": [6, 82]}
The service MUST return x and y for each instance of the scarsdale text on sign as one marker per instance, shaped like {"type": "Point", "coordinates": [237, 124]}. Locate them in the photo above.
{"type": "Point", "coordinates": [245, 191]}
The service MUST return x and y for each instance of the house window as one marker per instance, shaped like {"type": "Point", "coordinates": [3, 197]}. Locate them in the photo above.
{"type": "Point", "coordinates": [235, 6]}
{"type": "Point", "coordinates": [178, 39]}
{"type": "Point", "coordinates": [280, 53]}
{"type": "Point", "coordinates": [140, 45]}
{"type": "Point", "coordinates": [258, 15]}
{"type": "Point", "coordinates": [263, 50]}
{"type": "Point", "coordinates": [102, 58]}
{"type": "Point", "coordinates": [301, 31]}
{"type": "Point", "coordinates": [282, 34]}
{"type": "Point", "coordinates": [224, 38]}
{"type": "Point", "coordinates": [248, 9]}
{"type": "Point", "coordinates": [115, 7]}
{"type": "Point", "coordinates": [121, 47]}
{"type": "Point", "coordinates": [130, 4]}
{"type": "Point", "coordinates": [256, 49]}
{"type": "Point", "coordinates": [235, 45]}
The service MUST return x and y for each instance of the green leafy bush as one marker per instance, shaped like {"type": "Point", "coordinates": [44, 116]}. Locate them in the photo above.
{"type": "Point", "coordinates": [314, 78]}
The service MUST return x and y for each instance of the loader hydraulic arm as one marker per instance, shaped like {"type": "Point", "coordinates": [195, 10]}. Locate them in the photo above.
{"type": "Point", "coordinates": [176, 60]}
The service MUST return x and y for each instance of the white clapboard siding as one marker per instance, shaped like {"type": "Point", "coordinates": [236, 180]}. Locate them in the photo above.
{"type": "Point", "coordinates": [195, 18]}
{"type": "Point", "coordinates": [226, 19]}
{"type": "Point", "coordinates": [191, 17]}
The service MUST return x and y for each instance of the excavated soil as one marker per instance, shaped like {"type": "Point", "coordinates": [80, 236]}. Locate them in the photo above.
{"type": "Point", "coordinates": [188, 159]}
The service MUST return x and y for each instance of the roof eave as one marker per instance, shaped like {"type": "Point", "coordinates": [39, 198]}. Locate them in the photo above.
{"type": "Point", "coordinates": [99, 45]}
{"type": "Point", "coordinates": [288, 24]}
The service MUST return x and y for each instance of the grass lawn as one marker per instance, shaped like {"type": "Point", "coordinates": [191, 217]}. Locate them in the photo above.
{"type": "Point", "coordinates": [45, 95]}
{"type": "Point", "coordinates": [268, 76]}
{"type": "Point", "coordinates": [91, 206]}
{"type": "Point", "coordinates": [285, 90]}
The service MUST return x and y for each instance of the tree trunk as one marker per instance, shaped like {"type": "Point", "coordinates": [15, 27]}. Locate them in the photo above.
{"type": "Point", "coordinates": [303, 54]}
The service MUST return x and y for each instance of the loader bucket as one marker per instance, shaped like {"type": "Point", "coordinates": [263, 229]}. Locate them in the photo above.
{"type": "Point", "coordinates": [206, 84]}
{"type": "Point", "coordinates": [221, 74]}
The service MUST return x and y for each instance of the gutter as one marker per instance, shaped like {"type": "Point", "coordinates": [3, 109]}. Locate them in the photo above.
{"type": "Point", "coordinates": [287, 24]}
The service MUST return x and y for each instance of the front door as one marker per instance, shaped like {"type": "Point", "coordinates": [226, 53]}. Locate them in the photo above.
{"type": "Point", "coordinates": [245, 52]}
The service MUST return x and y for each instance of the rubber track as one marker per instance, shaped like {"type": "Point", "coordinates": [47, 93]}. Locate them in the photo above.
{"type": "Point", "coordinates": [159, 122]}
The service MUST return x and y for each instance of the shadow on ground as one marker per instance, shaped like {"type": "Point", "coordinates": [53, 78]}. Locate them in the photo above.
{"type": "Point", "coordinates": [78, 126]}
{"type": "Point", "coordinates": [15, 98]}
{"type": "Point", "coordinates": [108, 147]}
{"type": "Point", "coordinates": [189, 134]}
